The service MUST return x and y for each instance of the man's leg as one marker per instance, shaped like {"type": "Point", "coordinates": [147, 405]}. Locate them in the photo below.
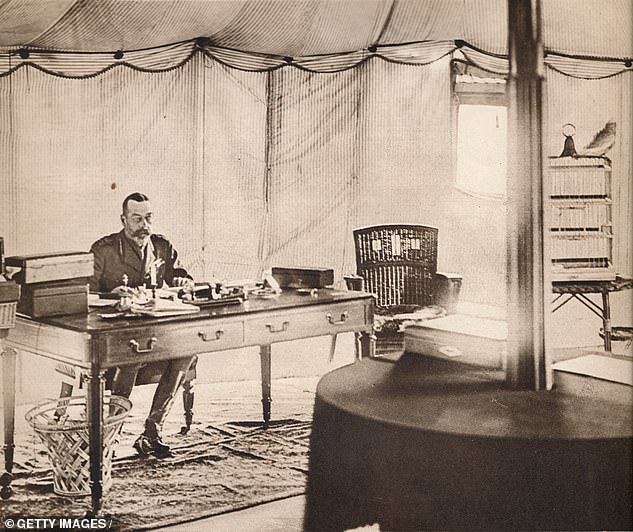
{"type": "Point", "coordinates": [124, 380]}
{"type": "Point", "coordinates": [166, 390]}
{"type": "Point", "coordinates": [161, 404]}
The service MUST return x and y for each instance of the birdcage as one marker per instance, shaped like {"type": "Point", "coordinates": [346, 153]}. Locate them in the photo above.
{"type": "Point", "coordinates": [62, 426]}
{"type": "Point", "coordinates": [581, 218]}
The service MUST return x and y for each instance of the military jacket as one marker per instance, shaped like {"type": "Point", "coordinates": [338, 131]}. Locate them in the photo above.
{"type": "Point", "coordinates": [115, 256]}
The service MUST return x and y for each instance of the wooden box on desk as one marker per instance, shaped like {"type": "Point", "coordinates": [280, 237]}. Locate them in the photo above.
{"type": "Point", "coordinates": [303, 277]}
{"type": "Point", "coordinates": [463, 338]}
{"type": "Point", "coordinates": [45, 267]}
{"type": "Point", "coordinates": [54, 299]}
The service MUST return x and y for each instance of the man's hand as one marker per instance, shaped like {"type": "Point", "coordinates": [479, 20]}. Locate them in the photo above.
{"type": "Point", "coordinates": [123, 290]}
{"type": "Point", "coordinates": [184, 282]}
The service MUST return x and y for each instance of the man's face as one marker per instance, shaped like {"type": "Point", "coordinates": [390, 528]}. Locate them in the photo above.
{"type": "Point", "coordinates": [137, 220]}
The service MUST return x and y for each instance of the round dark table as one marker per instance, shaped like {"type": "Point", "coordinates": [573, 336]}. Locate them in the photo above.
{"type": "Point", "coordinates": [428, 444]}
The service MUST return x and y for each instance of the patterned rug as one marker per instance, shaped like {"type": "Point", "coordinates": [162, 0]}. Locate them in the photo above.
{"type": "Point", "coordinates": [216, 467]}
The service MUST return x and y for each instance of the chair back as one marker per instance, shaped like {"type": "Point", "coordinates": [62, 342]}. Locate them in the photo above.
{"type": "Point", "coordinates": [398, 263]}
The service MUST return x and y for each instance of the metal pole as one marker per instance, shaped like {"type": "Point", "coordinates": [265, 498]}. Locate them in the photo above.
{"type": "Point", "coordinates": [528, 255]}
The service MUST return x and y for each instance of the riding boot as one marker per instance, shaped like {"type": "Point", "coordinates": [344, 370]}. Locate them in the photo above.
{"type": "Point", "coordinates": [150, 441]}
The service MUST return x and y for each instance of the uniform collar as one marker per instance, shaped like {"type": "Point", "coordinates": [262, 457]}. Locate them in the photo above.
{"type": "Point", "coordinates": [140, 251]}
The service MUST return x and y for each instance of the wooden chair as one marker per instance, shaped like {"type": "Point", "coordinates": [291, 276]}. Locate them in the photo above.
{"type": "Point", "coordinates": [398, 264]}
{"type": "Point", "coordinates": [149, 374]}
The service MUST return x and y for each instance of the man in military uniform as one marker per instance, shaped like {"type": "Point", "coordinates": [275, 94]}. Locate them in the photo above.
{"type": "Point", "coordinates": [130, 258]}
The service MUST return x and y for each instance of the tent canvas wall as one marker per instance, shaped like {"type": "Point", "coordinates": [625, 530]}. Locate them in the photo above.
{"type": "Point", "coordinates": [264, 132]}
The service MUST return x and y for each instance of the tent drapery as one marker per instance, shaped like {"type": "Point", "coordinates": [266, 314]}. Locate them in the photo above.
{"type": "Point", "coordinates": [307, 27]}
{"type": "Point", "coordinates": [271, 158]}
{"type": "Point", "coordinates": [86, 65]}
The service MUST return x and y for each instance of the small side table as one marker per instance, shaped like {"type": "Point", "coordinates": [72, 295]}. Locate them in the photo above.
{"type": "Point", "coordinates": [568, 290]}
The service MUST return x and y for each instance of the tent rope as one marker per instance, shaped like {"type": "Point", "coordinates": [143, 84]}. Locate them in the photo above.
{"type": "Point", "coordinates": [152, 60]}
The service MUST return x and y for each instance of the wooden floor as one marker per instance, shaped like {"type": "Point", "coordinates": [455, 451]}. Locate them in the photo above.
{"type": "Point", "coordinates": [285, 515]}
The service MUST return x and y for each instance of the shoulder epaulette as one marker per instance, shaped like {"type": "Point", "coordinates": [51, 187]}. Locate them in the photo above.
{"type": "Point", "coordinates": [107, 240]}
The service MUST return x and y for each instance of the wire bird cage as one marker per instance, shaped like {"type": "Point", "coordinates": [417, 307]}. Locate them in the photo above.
{"type": "Point", "coordinates": [62, 426]}
{"type": "Point", "coordinates": [398, 264]}
{"type": "Point", "coordinates": [581, 218]}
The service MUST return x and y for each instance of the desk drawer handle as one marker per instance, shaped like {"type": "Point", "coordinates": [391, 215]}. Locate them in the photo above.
{"type": "Point", "coordinates": [134, 345]}
{"type": "Point", "coordinates": [343, 319]}
{"type": "Point", "coordinates": [284, 327]}
{"type": "Point", "coordinates": [206, 338]}
{"type": "Point", "coordinates": [572, 207]}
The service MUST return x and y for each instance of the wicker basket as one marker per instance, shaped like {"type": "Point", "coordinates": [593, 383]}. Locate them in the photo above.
{"type": "Point", "coordinates": [7, 314]}
{"type": "Point", "coordinates": [62, 426]}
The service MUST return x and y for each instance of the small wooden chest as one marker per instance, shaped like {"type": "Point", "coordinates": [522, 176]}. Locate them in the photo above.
{"type": "Point", "coordinates": [45, 267]}
{"type": "Point", "coordinates": [9, 295]}
{"type": "Point", "coordinates": [9, 291]}
{"type": "Point", "coordinates": [466, 339]}
{"type": "Point", "coordinates": [303, 277]}
{"type": "Point", "coordinates": [54, 299]}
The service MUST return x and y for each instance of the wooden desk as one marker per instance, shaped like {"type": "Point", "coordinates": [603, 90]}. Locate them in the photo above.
{"type": "Point", "coordinates": [579, 290]}
{"type": "Point", "coordinates": [96, 345]}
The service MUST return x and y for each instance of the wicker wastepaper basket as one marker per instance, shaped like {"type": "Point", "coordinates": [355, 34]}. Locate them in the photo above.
{"type": "Point", "coordinates": [62, 426]}
{"type": "Point", "coordinates": [7, 314]}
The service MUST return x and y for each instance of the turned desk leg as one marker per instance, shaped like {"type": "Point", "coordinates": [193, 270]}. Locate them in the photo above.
{"type": "Point", "coordinates": [332, 348]}
{"type": "Point", "coordinates": [96, 388]}
{"type": "Point", "coordinates": [187, 402]}
{"type": "Point", "coordinates": [367, 344]}
{"type": "Point", "coordinates": [606, 321]}
{"type": "Point", "coordinates": [264, 354]}
{"type": "Point", "coordinates": [8, 392]}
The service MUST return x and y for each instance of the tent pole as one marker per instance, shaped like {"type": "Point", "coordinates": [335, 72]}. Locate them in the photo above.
{"type": "Point", "coordinates": [528, 308]}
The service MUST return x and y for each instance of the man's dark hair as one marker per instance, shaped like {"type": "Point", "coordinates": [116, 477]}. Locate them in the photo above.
{"type": "Point", "coordinates": [135, 196]}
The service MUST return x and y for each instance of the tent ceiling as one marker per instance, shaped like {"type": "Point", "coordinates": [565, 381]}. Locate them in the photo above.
{"type": "Point", "coordinates": [306, 27]}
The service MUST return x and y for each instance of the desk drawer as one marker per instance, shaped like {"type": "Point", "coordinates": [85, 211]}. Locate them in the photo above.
{"type": "Point", "coordinates": [292, 325]}
{"type": "Point", "coordinates": [153, 343]}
